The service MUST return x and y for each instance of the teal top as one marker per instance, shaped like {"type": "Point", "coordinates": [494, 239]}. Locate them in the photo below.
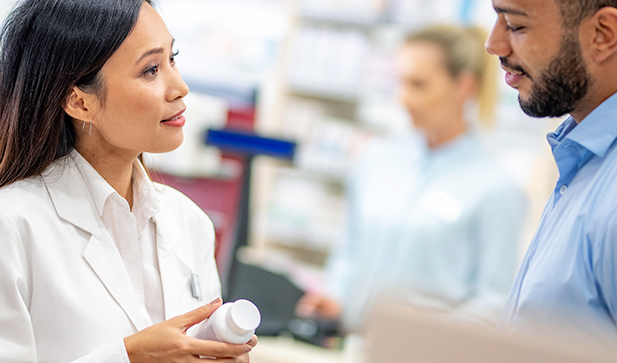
{"type": "Point", "coordinates": [438, 228]}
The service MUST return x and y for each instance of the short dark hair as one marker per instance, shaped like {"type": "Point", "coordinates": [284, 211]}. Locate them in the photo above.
{"type": "Point", "coordinates": [47, 47]}
{"type": "Point", "coordinates": [574, 11]}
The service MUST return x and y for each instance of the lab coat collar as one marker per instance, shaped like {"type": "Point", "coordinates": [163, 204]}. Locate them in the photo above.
{"type": "Point", "coordinates": [98, 188]}
{"type": "Point", "coordinates": [69, 194]}
{"type": "Point", "coordinates": [74, 204]}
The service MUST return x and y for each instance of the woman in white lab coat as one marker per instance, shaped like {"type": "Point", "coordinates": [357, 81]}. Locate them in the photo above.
{"type": "Point", "coordinates": [97, 262]}
{"type": "Point", "coordinates": [432, 220]}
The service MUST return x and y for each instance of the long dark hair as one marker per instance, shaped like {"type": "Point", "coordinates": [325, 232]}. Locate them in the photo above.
{"type": "Point", "coordinates": [46, 48]}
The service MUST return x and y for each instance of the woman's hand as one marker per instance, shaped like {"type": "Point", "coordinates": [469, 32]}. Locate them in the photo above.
{"type": "Point", "coordinates": [167, 342]}
{"type": "Point", "coordinates": [311, 305]}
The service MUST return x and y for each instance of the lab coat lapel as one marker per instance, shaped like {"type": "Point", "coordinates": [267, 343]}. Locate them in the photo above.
{"type": "Point", "coordinates": [110, 268]}
{"type": "Point", "coordinates": [74, 204]}
{"type": "Point", "coordinates": [174, 265]}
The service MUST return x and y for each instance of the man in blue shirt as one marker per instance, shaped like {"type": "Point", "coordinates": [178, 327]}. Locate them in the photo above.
{"type": "Point", "coordinates": [561, 55]}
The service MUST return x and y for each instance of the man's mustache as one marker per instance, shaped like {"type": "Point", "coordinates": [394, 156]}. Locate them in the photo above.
{"type": "Point", "coordinates": [515, 67]}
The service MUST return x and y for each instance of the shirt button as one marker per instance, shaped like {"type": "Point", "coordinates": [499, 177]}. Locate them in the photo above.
{"type": "Point", "coordinates": [563, 189]}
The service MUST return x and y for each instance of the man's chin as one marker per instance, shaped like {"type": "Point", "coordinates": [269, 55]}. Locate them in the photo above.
{"type": "Point", "coordinates": [529, 108]}
{"type": "Point", "coordinates": [524, 101]}
{"type": "Point", "coordinates": [524, 89]}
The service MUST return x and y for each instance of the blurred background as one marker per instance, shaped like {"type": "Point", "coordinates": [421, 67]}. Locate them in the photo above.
{"type": "Point", "coordinates": [284, 95]}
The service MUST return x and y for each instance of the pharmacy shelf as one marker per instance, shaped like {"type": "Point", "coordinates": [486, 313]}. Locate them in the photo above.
{"type": "Point", "coordinates": [314, 175]}
{"type": "Point", "coordinates": [245, 146]}
{"type": "Point", "coordinates": [324, 92]}
{"type": "Point", "coordinates": [250, 144]}
{"type": "Point", "coordinates": [237, 95]}
{"type": "Point", "coordinates": [227, 170]}
{"type": "Point", "coordinates": [340, 15]}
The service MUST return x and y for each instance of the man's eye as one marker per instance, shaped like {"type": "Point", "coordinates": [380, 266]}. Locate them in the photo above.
{"type": "Point", "coordinates": [514, 29]}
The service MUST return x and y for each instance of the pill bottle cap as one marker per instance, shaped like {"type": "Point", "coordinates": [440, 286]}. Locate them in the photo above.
{"type": "Point", "coordinates": [243, 317]}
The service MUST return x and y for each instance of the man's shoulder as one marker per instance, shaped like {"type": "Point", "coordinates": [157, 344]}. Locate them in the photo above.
{"type": "Point", "coordinates": [605, 180]}
{"type": "Point", "coordinates": [599, 206]}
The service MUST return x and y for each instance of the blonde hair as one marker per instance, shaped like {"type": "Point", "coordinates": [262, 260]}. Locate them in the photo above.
{"type": "Point", "coordinates": [464, 51]}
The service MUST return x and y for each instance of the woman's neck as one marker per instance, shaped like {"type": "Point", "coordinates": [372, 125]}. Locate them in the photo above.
{"type": "Point", "coordinates": [439, 137]}
{"type": "Point", "coordinates": [114, 168]}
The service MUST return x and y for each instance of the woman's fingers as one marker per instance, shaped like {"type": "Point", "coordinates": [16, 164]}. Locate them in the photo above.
{"type": "Point", "coordinates": [253, 342]}
{"type": "Point", "coordinates": [313, 304]}
{"type": "Point", "coordinates": [196, 316]}
{"type": "Point", "coordinates": [307, 305]}
{"type": "Point", "coordinates": [167, 342]}
{"type": "Point", "coordinates": [218, 350]}
{"type": "Point", "coordinates": [241, 359]}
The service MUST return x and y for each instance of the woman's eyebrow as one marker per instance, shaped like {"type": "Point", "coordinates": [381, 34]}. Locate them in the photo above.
{"type": "Point", "coordinates": [154, 51]}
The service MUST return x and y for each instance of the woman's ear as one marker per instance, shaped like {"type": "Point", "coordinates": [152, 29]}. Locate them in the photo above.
{"type": "Point", "coordinates": [467, 85]}
{"type": "Point", "coordinates": [603, 26]}
{"type": "Point", "coordinates": [78, 105]}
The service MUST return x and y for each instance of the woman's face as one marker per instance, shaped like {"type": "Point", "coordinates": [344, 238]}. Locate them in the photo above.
{"type": "Point", "coordinates": [142, 109]}
{"type": "Point", "coordinates": [428, 91]}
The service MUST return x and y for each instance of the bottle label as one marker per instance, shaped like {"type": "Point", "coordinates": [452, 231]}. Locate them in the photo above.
{"type": "Point", "coordinates": [206, 332]}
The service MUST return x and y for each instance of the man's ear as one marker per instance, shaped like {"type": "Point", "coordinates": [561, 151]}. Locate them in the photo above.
{"type": "Point", "coordinates": [604, 34]}
{"type": "Point", "coordinates": [78, 105]}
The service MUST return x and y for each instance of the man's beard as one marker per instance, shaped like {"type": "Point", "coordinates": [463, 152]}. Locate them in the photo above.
{"type": "Point", "coordinates": [558, 89]}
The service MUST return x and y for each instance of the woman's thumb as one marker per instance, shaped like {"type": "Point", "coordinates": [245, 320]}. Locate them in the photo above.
{"type": "Point", "coordinates": [196, 316]}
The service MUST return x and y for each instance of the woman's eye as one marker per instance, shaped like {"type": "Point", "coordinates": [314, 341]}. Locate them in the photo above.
{"type": "Point", "coordinates": [152, 71]}
{"type": "Point", "coordinates": [416, 84]}
{"type": "Point", "coordinates": [173, 56]}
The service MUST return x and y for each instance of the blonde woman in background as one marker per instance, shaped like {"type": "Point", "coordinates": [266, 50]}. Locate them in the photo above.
{"type": "Point", "coordinates": [432, 219]}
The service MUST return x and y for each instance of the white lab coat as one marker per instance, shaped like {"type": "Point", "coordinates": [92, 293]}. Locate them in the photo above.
{"type": "Point", "coordinates": [65, 293]}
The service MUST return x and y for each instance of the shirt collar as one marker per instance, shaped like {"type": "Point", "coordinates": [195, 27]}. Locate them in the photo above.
{"type": "Point", "coordinates": [596, 132]}
{"type": "Point", "coordinates": [575, 144]}
{"type": "Point", "coordinates": [145, 198]}
{"type": "Point", "coordinates": [98, 187]}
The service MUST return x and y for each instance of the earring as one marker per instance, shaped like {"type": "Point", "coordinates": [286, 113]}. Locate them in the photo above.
{"type": "Point", "coordinates": [83, 127]}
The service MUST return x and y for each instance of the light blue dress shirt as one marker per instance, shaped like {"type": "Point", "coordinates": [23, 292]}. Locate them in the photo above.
{"type": "Point", "coordinates": [436, 228]}
{"type": "Point", "coordinates": [568, 278]}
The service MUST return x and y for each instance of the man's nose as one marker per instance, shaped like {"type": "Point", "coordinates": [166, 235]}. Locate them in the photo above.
{"type": "Point", "coordinates": [497, 41]}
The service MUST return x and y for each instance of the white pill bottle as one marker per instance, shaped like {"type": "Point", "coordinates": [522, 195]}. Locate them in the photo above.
{"type": "Point", "coordinates": [233, 322]}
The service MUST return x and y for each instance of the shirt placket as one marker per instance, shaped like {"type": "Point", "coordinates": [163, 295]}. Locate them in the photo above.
{"type": "Point", "coordinates": [129, 250]}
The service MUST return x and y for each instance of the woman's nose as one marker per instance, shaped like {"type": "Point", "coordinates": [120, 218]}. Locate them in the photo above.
{"type": "Point", "coordinates": [177, 88]}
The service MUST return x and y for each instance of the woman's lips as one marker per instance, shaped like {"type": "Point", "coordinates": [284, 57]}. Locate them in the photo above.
{"type": "Point", "coordinates": [177, 121]}
{"type": "Point", "coordinates": [512, 79]}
